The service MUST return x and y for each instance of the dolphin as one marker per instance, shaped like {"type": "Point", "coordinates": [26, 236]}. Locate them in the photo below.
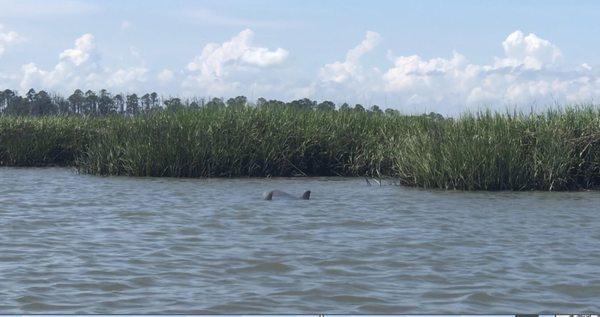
{"type": "Point", "coordinates": [278, 193]}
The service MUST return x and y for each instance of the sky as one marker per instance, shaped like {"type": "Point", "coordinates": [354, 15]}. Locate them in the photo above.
{"type": "Point", "coordinates": [415, 56]}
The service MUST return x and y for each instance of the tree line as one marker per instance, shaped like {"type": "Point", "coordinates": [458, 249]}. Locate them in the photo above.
{"type": "Point", "coordinates": [104, 103]}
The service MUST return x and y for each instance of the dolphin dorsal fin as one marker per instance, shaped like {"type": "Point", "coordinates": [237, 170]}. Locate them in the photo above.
{"type": "Point", "coordinates": [269, 195]}
{"type": "Point", "coordinates": [306, 195]}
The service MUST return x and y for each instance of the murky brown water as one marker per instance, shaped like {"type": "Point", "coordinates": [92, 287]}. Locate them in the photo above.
{"type": "Point", "coordinates": [82, 244]}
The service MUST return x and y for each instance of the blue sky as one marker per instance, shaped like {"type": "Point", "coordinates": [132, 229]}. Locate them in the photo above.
{"type": "Point", "coordinates": [442, 56]}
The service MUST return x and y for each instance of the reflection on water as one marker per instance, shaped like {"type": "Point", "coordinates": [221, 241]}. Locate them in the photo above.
{"type": "Point", "coordinates": [82, 244]}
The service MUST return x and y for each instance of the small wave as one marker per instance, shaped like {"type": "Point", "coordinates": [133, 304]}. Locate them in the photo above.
{"type": "Point", "coordinates": [239, 308]}
{"type": "Point", "coordinates": [431, 278]}
{"type": "Point", "coordinates": [339, 272]}
{"type": "Point", "coordinates": [386, 309]}
{"type": "Point", "coordinates": [355, 299]}
{"type": "Point", "coordinates": [143, 281]}
{"type": "Point", "coordinates": [43, 307]}
{"type": "Point", "coordinates": [113, 286]}
{"type": "Point", "coordinates": [109, 273]}
{"type": "Point", "coordinates": [79, 286]}
{"type": "Point", "coordinates": [342, 262]}
{"type": "Point", "coordinates": [180, 248]}
{"type": "Point", "coordinates": [359, 224]}
{"type": "Point", "coordinates": [444, 295]}
{"type": "Point", "coordinates": [268, 267]}
{"type": "Point", "coordinates": [481, 298]}
{"type": "Point", "coordinates": [28, 299]}
{"type": "Point", "coordinates": [270, 230]}
{"type": "Point", "coordinates": [308, 292]}
{"type": "Point", "coordinates": [590, 290]}
{"type": "Point", "coordinates": [424, 245]}
{"type": "Point", "coordinates": [194, 231]}
{"type": "Point", "coordinates": [137, 302]}
{"type": "Point", "coordinates": [11, 258]}
{"type": "Point", "coordinates": [137, 214]}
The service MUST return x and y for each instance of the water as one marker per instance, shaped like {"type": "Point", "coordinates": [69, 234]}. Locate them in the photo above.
{"type": "Point", "coordinates": [74, 243]}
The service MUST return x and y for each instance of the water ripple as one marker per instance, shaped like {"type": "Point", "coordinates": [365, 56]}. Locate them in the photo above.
{"type": "Point", "coordinates": [78, 244]}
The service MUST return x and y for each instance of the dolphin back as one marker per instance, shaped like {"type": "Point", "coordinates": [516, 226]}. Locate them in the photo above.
{"type": "Point", "coordinates": [278, 193]}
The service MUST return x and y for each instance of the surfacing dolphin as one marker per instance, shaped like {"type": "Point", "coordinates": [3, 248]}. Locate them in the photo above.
{"type": "Point", "coordinates": [281, 194]}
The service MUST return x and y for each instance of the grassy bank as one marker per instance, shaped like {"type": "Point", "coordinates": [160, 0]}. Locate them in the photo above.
{"type": "Point", "coordinates": [45, 141]}
{"type": "Point", "coordinates": [554, 150]}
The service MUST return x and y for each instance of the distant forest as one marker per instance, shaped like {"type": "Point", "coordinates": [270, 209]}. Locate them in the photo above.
{"type": "Point", "coordinates": [104, 103]}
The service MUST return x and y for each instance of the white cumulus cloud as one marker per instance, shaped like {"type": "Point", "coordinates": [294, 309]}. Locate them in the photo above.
{"type": "Point", "coordinates": [123, 77]}
{"type": "Point", "coordinates": [339, 72]}
{"type": "Point", "coordinates": [348, 80]}
{"type": "Point", "coordinates": [165, 76]}
{"type": "Point", "coordinates": [83, 50]}
{"type": "Point", "coordinates": [215, 57]}
{"type": "Point", "coordinates": [528, 51]}
{"type": "Point", "coordinates": [529, 72]}
{"type": "Point", "coordinates": [211, 69]}
{"type": "Point", "coordinates": [8, 38]}
{"type": "Point", "coordinates": [430, 81]}
{"type": "Point", "coordinates": [79, 67]}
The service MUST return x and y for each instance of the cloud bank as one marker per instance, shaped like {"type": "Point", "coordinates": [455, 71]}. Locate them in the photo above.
{"type": "Point", "coordinates": [531, 70]}
{"type": "Point", "coordinates": [80, 67]}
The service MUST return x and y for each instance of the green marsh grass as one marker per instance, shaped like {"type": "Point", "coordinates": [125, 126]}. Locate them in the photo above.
{"type": "Point", "coordinates": [558, 149]}
{"type": "Point", "coordinates": [241, 142]}
{"type": "Point", "coordinates": [44, 141]}
{"type": "Point", "coordinates": [554, 150]}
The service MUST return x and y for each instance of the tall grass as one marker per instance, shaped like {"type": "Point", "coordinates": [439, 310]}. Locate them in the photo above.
{"type": "Point", "coordinates": [241, 142]}
{"type": "Point", "coordinates": [43, 141]}
{"type": "Point", "coordinates": [555, 150]}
